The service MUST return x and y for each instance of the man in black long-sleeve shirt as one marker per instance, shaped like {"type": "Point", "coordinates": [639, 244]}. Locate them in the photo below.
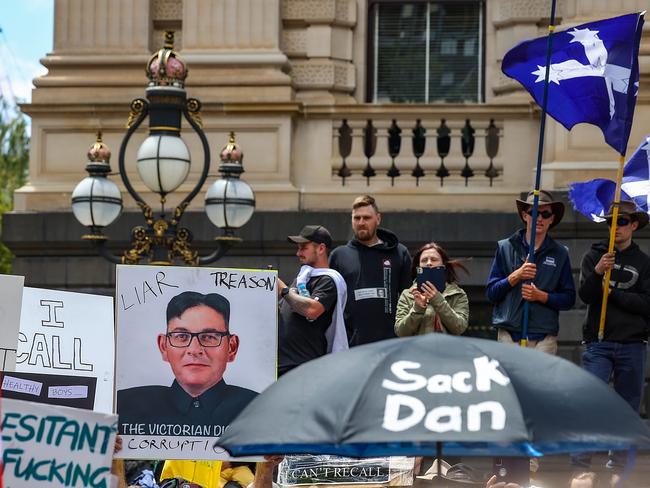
{"type": "Point", "coordinates": [622, 352]}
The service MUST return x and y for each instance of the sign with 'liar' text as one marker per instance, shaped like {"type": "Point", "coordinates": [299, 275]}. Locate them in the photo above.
{"type": "Point", "coordinates": [194, 347]}
{"type": "Point", "coordinates": [72, 334]}
{"type": "Point", "coordinates": [54, 446]}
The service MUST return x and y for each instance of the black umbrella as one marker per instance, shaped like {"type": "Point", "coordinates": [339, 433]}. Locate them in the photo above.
{"type": "Point", "coordinates": [407, 396]}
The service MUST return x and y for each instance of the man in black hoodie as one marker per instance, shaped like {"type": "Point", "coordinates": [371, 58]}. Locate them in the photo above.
{"type": "Point", "coordinates": [376, 268]}
{"type": "Point", "coordinates": [622, 352]}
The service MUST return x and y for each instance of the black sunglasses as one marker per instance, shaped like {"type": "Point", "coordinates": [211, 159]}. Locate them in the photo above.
{"type": "Point", "coordinates": [546, 214]}
{"type": "Point", "coordinates": [620, 221]}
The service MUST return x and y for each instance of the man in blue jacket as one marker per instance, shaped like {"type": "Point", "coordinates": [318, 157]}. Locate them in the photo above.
{"type": "Point", "coordinates": [546, 282]}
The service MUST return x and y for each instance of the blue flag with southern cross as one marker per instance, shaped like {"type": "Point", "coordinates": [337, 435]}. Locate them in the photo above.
{"type": "Point", "coordinates": [593, 77]}
{"type": "Point", "coordinates": [592, 198]}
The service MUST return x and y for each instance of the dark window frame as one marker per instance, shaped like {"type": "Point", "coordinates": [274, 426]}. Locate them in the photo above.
{"type": "Point", "coordinates": [370, 52]}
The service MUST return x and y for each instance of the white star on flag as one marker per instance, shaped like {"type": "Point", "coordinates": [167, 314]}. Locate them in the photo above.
{"type": "Point", "coordinates": [640, 188]}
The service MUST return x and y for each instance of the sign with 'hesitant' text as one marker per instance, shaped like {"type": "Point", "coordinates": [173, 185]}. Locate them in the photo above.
{"type": "Point", "coordinates": [53, 446]}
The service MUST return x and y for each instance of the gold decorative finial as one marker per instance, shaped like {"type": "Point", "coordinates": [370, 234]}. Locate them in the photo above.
{"type": "Point", "coordinates": [99, 151]}
{"type": "Point", "coordinates": [231, 152]}
{"type": "Point", "coordinates": [165, 68]}
{"type": "Point", "coordinates": [169, 40]}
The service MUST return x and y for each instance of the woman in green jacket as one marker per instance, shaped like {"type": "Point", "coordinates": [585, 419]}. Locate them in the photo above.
{"type": "Point", "coordinates": [420, 311]}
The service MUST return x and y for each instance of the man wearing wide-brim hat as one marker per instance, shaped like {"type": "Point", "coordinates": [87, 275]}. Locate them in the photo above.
{"type": "Point", "coordinates": [546, 284]}
{"type": "Point", "coordinates": [622, 352]}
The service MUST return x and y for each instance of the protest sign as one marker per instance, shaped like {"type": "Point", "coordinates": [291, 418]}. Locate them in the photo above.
{"type": "Point", "coordinates": [194, 346]}
{"type": "Point", "coordinates": [11, 295]}
{"type": "Point", "coordinates": [70, 334]}
{"type": "Point", "coordinates": [331, 470]}
{"type": "Point", "coordinates": [69, 391]}
{"type": "Point", "coordinates": [46, 445]}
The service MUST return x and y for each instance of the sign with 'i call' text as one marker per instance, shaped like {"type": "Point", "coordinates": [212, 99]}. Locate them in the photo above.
{"type": "Point", "coordinates": [71, 334]}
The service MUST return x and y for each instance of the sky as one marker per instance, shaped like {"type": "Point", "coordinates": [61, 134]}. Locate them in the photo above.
{"type": "Point", "coordinates": [27, 36]}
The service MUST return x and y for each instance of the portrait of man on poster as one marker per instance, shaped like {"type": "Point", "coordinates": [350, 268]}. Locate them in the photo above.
{"type": "Point", "coordinates": [198, 345]}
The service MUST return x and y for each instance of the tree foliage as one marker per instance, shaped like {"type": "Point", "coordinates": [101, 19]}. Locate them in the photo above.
{"type": "Point", "coordinates": [14, 161]}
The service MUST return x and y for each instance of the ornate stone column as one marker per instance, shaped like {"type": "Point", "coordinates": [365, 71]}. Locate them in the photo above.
{"type": "Point", "coordinates": [97, 43]}
{"type": "Point", "coordinates": [318, 38]}
{"type": "Point", "coordinates": [510, 22]}
{"type": "Point", "coordinates": [91, 26]}
{"type": "Point", "coordinates": [234, 45]}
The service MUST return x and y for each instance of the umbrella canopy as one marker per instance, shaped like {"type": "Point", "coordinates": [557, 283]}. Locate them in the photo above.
{"type": "Point", "coordinates": [405, 396]}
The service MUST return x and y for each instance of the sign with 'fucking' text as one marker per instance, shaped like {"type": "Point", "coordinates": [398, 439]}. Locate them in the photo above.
{"type": "Point", "coordinates": [54, 446]}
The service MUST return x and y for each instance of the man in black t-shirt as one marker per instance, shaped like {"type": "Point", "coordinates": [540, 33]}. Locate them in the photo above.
{"type": "Point", "coordinates": [308, 305]}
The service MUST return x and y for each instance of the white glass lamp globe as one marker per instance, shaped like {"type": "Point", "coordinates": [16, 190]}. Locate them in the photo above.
{"type": "Point", "coordinates": [163, 162]}
{"type": "Point", "coordinates": [229, 203]}
{"type": "Point", "coordinates": [96, 201]}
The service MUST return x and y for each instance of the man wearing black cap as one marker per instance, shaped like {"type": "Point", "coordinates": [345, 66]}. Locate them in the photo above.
{"type": "Point", "coordinates": [546, 284]}
{"type": "Point", "coordinates": [311, 308]}
{"type": "Point", "coordinates": [622, 352]}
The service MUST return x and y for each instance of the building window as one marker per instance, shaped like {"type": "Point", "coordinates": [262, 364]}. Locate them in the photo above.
{"type": "Point", "coordinates": [425, 51]}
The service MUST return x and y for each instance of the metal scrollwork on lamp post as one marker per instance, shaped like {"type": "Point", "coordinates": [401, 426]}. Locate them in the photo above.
{"type": "Point", "coordinates": [163, 164]}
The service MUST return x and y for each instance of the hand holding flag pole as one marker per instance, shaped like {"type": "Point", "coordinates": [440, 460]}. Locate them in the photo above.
{"type": "Point", "coordinates": [593, 198]}
{"type": "Point", "coordinates": [610, 248]}
{"type": "Point", "coordinates": [631, 101]}
{"type": "Point", "coordinates": [540, 152]}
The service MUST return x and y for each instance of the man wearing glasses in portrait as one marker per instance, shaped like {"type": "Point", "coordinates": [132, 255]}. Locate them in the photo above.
{"type": "Point", "coordinates": [546, 284]}
{"type": "Point", "coordinates": [198, 345]}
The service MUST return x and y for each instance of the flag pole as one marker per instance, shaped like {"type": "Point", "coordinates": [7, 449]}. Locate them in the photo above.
{"type": "Point", "coordinates": [538, 172]}
{"type": "Point", "coordinates": [610, 248]}
{"type": "Point", "coordinates": [612, 230]}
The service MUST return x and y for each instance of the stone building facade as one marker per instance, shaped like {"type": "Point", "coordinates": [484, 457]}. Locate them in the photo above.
{"type": "Point", "coordinates": [286, 76]}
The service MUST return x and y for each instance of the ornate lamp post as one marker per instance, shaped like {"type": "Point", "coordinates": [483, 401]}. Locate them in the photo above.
{"type": "Point", "coordinates": [163, 163]}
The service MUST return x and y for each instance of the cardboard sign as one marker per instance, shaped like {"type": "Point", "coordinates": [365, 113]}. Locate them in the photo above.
{"type": "Point", "coordinates": [52, 446]}
{"type": "Point", "coordinates": [314, 470]}
{"type": "Point", "coordinates": [69, 334]}
{"type": "Point", "coordinates": [194, 347]}
{"type": "Point", "coordinates": [332, 470]}
{"type": "Point", "coordinates": [69, 391]}
{"type": "Point", "coordinates": [11, 296]}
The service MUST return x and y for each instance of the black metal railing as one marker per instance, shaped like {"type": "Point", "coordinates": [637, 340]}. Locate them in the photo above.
{"type": "Point", "coordinates": [445, 139]}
